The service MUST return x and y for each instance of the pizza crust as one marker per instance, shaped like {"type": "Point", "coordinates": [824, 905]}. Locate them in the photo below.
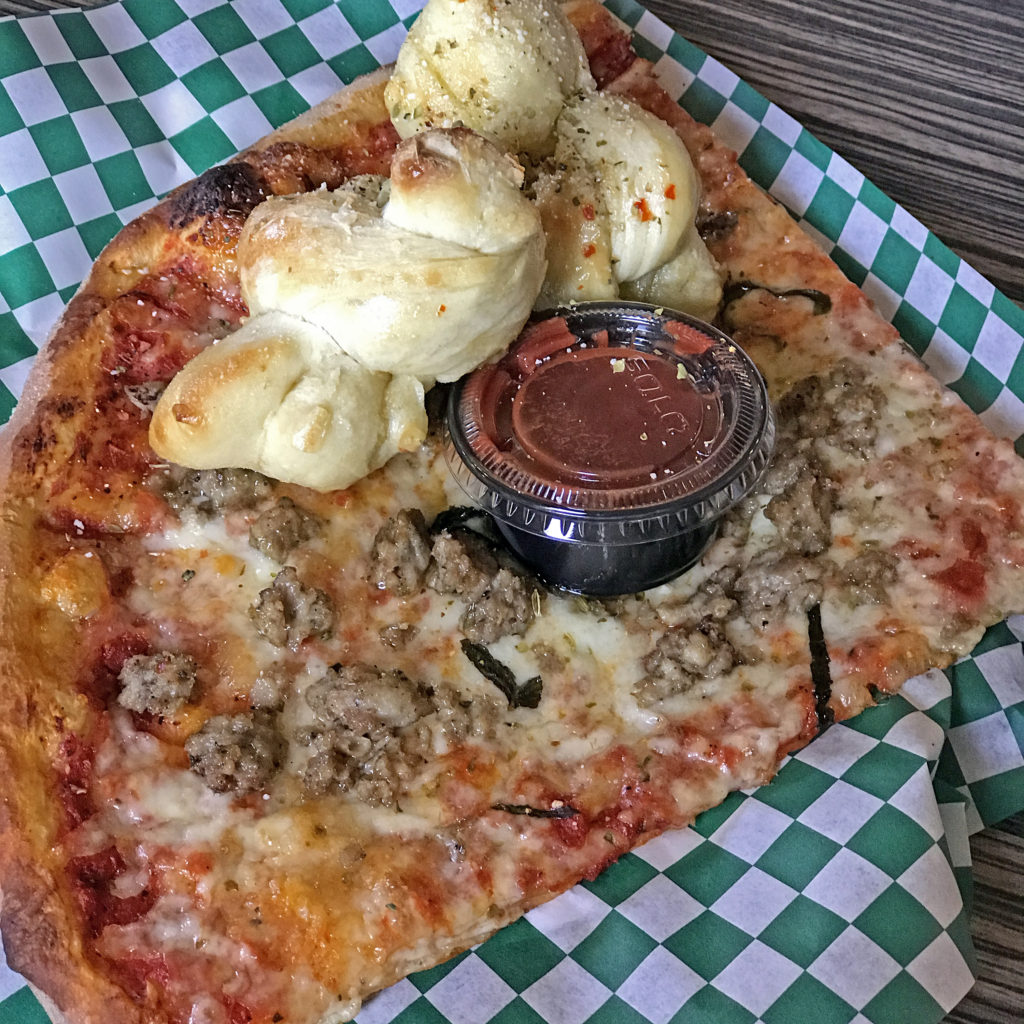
{"type": "Point", "coordinates": [41, 927]}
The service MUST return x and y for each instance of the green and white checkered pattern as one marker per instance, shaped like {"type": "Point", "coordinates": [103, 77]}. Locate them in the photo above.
{"type": "Point", "coordinates": [838, 893]}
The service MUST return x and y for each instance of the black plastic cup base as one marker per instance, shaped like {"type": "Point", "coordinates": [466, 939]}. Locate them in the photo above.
{"type": "Point", "coordinates": [534, 439]}
{"type": "Point", "coordinates": [608, 570]}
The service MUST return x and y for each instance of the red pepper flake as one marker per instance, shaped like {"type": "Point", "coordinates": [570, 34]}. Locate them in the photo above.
{"type": "Point", "coordinates": [643, 210]}
{"type": "Point", "coordinates": [441, 309]}
{"type": "Point", "coordinates": [589, 249]}
{"type": "Point", "coordinates": [670, 192]}
{"type": "Point", "coordinates": [588, 212]}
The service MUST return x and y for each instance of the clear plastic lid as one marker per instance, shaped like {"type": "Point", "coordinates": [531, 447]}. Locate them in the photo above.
{"type": "Point", "coordinates": [614, 422]}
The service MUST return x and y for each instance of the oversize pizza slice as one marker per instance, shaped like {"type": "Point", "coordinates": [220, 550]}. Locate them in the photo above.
{"type": "Point", "coordinates": [278, 746]}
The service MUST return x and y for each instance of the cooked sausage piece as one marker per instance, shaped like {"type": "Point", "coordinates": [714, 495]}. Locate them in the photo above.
{"type": "Point", "coordinates": [288, 612]}
{"type": "Point", "coordinates": [282, 528]}
{"type": "Point", "coordinates": [401, 553]}
{"type": "Point", "coordinates": [236, 753]}
{"type": "Point", "coordinates": [212, 491]}
{"type": "Point", "coordinates": [840, 408]}
{"type": "Point", "coordinates": [499, 598]}
{"type": "Point", "coordinates": [374, 728]}
{"type": "Point", "coordinates": [159, 684]}
{"type": "Point", "coordinates": [366, 700]}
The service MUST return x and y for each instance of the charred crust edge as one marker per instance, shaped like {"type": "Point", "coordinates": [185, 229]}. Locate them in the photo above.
{"type": "Point", "coordinates": [234, 189]}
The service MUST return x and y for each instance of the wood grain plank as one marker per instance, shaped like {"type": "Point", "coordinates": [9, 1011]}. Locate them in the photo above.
{"type": "Point", "coordinates": [40, 6]}
{"type": "Point", "coordinates": [997, 925]}
{"type": "Point", "coordinates": [924, 98]}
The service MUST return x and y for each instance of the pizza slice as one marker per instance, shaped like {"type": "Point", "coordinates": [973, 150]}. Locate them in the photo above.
{"type": "Point", "coordinates": [277, 746]}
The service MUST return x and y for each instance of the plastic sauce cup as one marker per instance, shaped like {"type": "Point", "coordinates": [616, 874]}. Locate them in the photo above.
{"type": "Point", "coordinates": [609, 440]}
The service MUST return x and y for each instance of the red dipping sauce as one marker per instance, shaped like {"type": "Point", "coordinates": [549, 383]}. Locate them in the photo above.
{"type": "Point", "coordinates": [611, 425]}
{"type": "Point", "coordinates": [597, 417]}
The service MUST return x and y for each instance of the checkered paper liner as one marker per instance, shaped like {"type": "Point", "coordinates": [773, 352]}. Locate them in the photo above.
{"type": "Point", "coordinates": [838, 893]}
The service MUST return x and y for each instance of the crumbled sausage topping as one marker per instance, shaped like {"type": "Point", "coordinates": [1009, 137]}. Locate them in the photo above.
{"type": "Point", "coordinates": [840, 408]}
{"type": "Point", "coordinates": [499, 598]}
{"type": "Point", "coordinates": [775, 582]}
{"type": "Point", "coordinates": [212, 491]}
{"type": "Point", "coordinates": [236, 753]}
{"type": "Point", "coordinates": [463, 564]}
{"type": "Point", "coordinates": [282, 528]}
{"type": "Point", "coordinates": [784, 577]}
{"type": "Point", "coordinates": [288, 612]}
{"type": "Point", "coordinates": [802, 504]}
{"type": "Point", "coordinates": [401, 553]}
{"type": "Point", "coordinates": [695, 648]}
{"type": "Point", "coordinates": [374, 728]}
{"type": "Point", "coordinates": [159, 684]}
{"type": "Point", "coordinates": [367, 700]}
{"type": "Point", "coordinates": [866, 577]}
{"type": "Point", "coordinates": [506, 607]}
{"type": "Point", "coordinates": [681, 658]}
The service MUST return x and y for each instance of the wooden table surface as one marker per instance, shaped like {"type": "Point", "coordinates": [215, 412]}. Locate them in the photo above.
{"type": "Point", "coordinates": [925, 99]}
